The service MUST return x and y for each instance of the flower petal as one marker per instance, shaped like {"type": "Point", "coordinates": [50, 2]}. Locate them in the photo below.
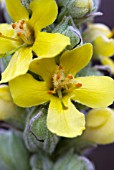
{"type": "Point", "coordinates": [100, 126]}
{"type": "Point", "coordinates": [27, 92]}
{"type": "Point", "coordinates": [103, 46]}
{"type": "Point", "coordinates": [7, 107]}
{"type": "Point", "coordinates": [44, 13]}
{"type": "Point", "coordinates": [18, 65]}
{"type": "Point", "coordinates": [74, 60]}
{"type": "Point", "coordinates": [108, 62]}
{"type": "Point", "coordinates": [44, 67]}
{"type": "Point", "coordinates": [5, 44]}
{"type": "Point", "coordinates": [96, 91]}
{"type": "Point", "coordinates": [49, 45]}
{"type": "Point", "coordinates": [16, 10]}
{"type": "Point", "coordinates": [65, 122]}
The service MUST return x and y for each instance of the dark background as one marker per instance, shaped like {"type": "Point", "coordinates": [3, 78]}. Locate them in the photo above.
{"type": "Point", "coordinates": [103, 156]}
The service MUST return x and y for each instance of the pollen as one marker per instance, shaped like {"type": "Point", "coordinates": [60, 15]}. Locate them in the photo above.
{"type": "Point", "coordinates": [24, 31]}
{"type": "Point", "coordinates": [78, 85]}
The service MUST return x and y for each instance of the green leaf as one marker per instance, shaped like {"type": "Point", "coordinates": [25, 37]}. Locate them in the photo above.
{"type": "Point", "coordinates": [13, 154]}
{"type": "Point", "coordinates": [36, 134]}
{"type": "Point", "coordinates": [73, 162]}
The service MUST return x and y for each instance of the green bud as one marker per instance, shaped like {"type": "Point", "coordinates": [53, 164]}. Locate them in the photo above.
{"type": "Point", "coordinates": [13, 154]}
{"type": "Point", "coordinates": [41, 161]}
{"type": "Point", "coordinates": [78, 9]}
{"type": "Point", "coordinates": [36, 134]}
{"type": "Point", "coordinates": [73, 162]}
{"type": "Point", "coordinates": [67, 28]}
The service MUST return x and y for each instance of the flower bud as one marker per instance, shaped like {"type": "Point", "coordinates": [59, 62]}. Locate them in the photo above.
{"type": "Point", "coordinates": [67, 28]}
{"type": "Point", "coordinates": [100, 126]}
{"type": "Point", "coordinates": [77, 9]}
{"type": "Point", "coordinates": [71, 160]}
{"type": "Point", "coordinates": [36, 134]}
{"type": "Point", "coordinates": [95, 30]}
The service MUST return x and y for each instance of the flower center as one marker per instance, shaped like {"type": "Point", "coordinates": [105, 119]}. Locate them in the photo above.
{"type": "Point", "coordinates": [24, 31]}
{"type": "Point", "coordinates": [63, 84]}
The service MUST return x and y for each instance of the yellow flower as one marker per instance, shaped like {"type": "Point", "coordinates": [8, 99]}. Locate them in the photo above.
{"type": "Point", "coordinates": [25, 35]}
{"type": "Point", "coordinates": [100, 126]}
{"type": "Point", "coordinates": [7, 107]}
{"type": "Point", "coordinates": [61, 88]}
{"type": "Point", "coordinates": [103, 43]}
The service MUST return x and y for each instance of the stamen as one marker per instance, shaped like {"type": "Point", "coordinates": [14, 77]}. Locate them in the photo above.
{"type": "Point", "coordinates": [9, 38]}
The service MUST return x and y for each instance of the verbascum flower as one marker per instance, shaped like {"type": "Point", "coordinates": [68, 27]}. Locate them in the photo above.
{"type": "Point", "coordinates": [25, 36]}
{"type": "Point", "coordinates": [103, 43]}
{"type": "Point", "coordinates": [60, 87]}
{"type": "Point", "coordinates": [100, 126]}
{"type": "Point", "coordinates": [7, 107]}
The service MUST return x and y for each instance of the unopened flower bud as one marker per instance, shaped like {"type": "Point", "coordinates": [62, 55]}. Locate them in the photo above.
{"type": "Point", "coordinates": [100, 126]}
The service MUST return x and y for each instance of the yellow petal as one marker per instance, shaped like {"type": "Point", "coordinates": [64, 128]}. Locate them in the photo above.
{"type": "Point", "coordinates": [18, 65]}
{"type": "Point", "coordinates": [65, 122]}
{"type": "Point", "coordinates": [100, 126]}
{"type": "Point", "coordinates": [73, 61]}
{"type": "Point", "coordinates": [7, 107]}
{"type": "Point", "coordinates": [5, 44]}
{"type": "Point", "coordinates": [44, 67]}
{"type": "Point", "coordinates": [108, 62]}
{"type": "Point", "coordinates": [16, 10]}
{"type": "Point", "coordinates": [49, 45]}
{"type": "Point", "coordinates": [103, 46]}
{"type": "Point", "coordinates": [96, 91]}
{"type": "Point", "coordinates": [44, 13]}
{"type": "Point", "coordinates": [27, 92]}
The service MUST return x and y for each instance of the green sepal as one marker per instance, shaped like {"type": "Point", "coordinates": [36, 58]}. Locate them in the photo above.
{"type": "Point", "coordinates": [36, 134]}
{"type": "Point", "coordinates": [67, 28]}
{"type": "Point", "coordinates": [13, 154]}
{"type": "Point", "coordinates": [41, 161]}
{"type": "Point", "coordinates": [73, 162]}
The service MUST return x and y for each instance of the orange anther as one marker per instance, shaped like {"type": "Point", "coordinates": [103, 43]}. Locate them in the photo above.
{"type": "Point", "coordinates": [58, 76]}
{"type": "Point", "coordinates": [78, 85]}
{"type": "Point", "coordinates": [51, 92]}
{"type": "Point", "coordinates": [22, 22]}
{"type": "Point", "coordinates": [19, 34]}
{"type": "Point", "coordinates": [70, 76]}
{"type": "Point", "coordinates": [13, 26]}
{"type": "Point", "coordinates": [60, 67]}
{"type": "Point", "coordinates": [21, 27]}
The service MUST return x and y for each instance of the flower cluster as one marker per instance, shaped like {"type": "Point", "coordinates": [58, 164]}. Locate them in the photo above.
{"type": "Point", "coordinates": [50, 54]}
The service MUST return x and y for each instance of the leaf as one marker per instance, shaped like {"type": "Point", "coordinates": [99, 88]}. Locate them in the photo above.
{"type": "Point", "coordinates": [73, 162]}
{"type": "Point", "coordinates": [13, 154]}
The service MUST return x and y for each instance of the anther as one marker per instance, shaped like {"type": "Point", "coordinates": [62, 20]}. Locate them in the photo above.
{"type": "Point", "coordinates": [70, 76]}
{"type": "Point", "coordinates": [22, 22]}
{"type": "Point", "coordinates": [51, 92]}
{"type": "Point", "coordinates": [13, 26]}
{"type": "Point", "coordinates": [60, 67]}
{"type": "Point", "coordinates": [78, 85]}
{"type": "Point", "coordinates": [58, 76]}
